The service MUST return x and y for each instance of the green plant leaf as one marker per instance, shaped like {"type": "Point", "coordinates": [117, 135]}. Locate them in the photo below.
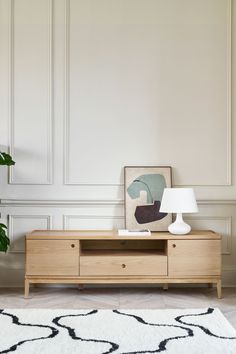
{"type": "Point", "coordinates": [4, 239]}
{"type": "Point", "coordinates": [6, 159]}
{"type": "Point", "coordinates": [3, 226]}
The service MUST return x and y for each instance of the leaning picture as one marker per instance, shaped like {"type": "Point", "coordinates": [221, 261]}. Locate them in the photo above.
{"type": "Point", "coordinates": [144, 187]}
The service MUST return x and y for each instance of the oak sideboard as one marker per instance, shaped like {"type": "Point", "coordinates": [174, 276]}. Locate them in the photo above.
{"type": "Point", "coordinates": [103, 257]}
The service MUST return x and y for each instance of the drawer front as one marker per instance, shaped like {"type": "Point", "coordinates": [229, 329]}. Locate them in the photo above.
{"type": "Point", "coordinates": [123, 265]}
{"type": "Point", "coordinates": [52, 257]}
{"type": "Point", "coordinates": [194, 257]}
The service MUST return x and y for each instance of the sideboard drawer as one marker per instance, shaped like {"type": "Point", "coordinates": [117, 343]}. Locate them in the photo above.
{"type": "Point", "coordinates": [95, 265]}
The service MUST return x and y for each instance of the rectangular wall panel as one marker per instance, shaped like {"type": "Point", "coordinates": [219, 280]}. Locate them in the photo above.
{"type": "Point", "coordinates": [19, 225]}
{"type": "Point", "coordinates": [148, 83]}
{"type": "Point", "coordinates": [92, 222]}
{"type": "Point", "coordinates": [130, 82]}
{"type": "Point", "coordinates": [220, 224]}
{"type": "Point", "coordinates": [31, 91]}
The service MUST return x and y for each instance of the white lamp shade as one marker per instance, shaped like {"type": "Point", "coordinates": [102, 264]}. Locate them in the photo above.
{"type": "Point", "coordinates": [178, 200]}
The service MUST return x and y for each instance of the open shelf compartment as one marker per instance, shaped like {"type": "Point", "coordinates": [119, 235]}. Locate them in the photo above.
{"type": "Point", "coordinates": [123, 248]}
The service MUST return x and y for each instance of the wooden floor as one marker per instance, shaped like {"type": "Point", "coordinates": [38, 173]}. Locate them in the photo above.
{"type": "Point", "coordinates": [129, 298]}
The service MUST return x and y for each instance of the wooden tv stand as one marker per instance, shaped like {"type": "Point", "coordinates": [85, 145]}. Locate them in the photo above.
{"type": "Point", "coordinates": [88, 257]}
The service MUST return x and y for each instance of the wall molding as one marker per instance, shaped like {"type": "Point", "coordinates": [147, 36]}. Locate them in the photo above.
{"type": "Point", "coordinates": [59, 202]}
{"type": "Point", "coordinates": [229, 93]}
{"type": "Point", "coordinates": [216, 201]}
{"type": "Point", "coordinates": [11, 219]}
{"type": "Point", "coordinates": [66, 149]}
{"type": "Point", "coordinates": [89, 202]}
{"type": "Point", "coordinates": [67, 217]}
{"type": "Point", "coordinates": [228, 234]}
{"type": "Point", "coordinates": [11, 118]}
{"type": "Point", "coordinates": [228, 106]}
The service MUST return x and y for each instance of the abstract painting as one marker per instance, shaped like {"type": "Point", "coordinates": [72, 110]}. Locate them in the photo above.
{"type": "Point", "coordinates": [144, 187]}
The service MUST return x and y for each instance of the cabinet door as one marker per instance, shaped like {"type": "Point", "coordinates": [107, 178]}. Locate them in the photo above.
{"type": "Point", "coordinates": [188, 258]}
{"type": "Point", "coordinates": [52, 257]}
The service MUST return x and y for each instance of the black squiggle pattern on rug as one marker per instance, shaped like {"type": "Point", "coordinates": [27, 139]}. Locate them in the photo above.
{"type": "Point", "coordinates": [204, 329]}
{"type": "Point", "coordinates": [16, 321]}
{"type": "Point", "coordinates": [73, 335]}
{"type": "Point", "coordinates": [163, 343]}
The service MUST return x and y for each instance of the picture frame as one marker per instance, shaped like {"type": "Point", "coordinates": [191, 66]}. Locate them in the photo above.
{"type": "Point", "coordinates": [143, 189]}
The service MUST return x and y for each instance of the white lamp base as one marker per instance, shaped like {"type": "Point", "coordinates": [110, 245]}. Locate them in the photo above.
{"type": "Point", "coordinates": [179, 227]}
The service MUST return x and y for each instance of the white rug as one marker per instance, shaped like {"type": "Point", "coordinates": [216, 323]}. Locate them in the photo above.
{"type": "Point", "coordinates": [193, 331]}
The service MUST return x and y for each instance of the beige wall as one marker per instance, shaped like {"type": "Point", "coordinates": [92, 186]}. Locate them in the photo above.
{"type": "Point", "coordinates": [88, 86]}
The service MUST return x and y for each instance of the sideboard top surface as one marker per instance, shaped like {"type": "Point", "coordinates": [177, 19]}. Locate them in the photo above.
{"type": "Point", "coordinates": [113, 235]}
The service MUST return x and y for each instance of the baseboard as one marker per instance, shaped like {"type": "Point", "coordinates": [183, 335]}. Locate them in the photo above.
{"type": "Point", "coordinates": [11, 278]}
{"type": "Point", "coordinates": [229, 277]}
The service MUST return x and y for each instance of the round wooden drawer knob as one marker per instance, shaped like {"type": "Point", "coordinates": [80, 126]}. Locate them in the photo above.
{"type": "Point", "coordinates": [174, 245]}
{"type": "Point", "coordinates": [123, 265]}
{"type": "Point", "coordinates": [72, 246]}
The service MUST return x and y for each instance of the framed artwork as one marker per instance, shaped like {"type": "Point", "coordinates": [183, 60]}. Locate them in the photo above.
{"type": "Point", "coordinates": [144, 187]}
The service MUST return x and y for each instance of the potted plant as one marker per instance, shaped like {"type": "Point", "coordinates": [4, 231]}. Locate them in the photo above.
{"type": "Point", "coordinates": [5, 160]}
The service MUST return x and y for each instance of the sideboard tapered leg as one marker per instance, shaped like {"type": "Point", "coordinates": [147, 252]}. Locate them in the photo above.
{"type": "Point", "coordinates": [165, 286]}
{"type": "Point", "coordinates": [27, 285]}
{"type": "Point", "coordinates": [219, 289]}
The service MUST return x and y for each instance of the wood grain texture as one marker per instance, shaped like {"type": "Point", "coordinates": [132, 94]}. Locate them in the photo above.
{"type": "Point", "coordinates": [83, 257]}
{"type": "Point", "coordinates": [113, 235]}
{"type": "Point", "coordinates": [137, 264]}
{"type": "Point", "coordinates": [52, 257]}
{"type": "Point", "coordinates": [194, 257]}
{"type": "Point", "coordinates": [123, 244]}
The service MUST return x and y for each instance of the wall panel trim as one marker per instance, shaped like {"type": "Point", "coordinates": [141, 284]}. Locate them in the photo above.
{"type": "Point", "coordinates": [67, 217]}
{"type": "Point", "coordinates": [11, 219]}
{"type": "Point", "coordinates": [78, 202]}
{"type": "Point", "coordinates": [228, 104]}
{"type": "Point", "coordinates": [11, 117]}
{"type": "Point", "coordinates": [66, 150]}
{"type": "Point", "coordinates": [228, 235]}
{"type": "Point", "coordinates": [59, 202]}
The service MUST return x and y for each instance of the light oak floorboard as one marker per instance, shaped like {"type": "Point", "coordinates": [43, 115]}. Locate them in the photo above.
{"type": "Point", "coordinates": [121, 297]}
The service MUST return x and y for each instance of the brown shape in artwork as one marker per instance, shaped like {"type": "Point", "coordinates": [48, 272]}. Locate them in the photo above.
{"type": "Point", "coordinates": [149, 213]}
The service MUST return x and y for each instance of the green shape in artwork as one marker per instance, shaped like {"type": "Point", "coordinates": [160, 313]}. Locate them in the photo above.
{"type": "Point", "coordinates": [153, 184]}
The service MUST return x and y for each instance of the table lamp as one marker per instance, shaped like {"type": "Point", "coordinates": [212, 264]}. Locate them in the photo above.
{"type": "Point", "coordinates": [179, 200]}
